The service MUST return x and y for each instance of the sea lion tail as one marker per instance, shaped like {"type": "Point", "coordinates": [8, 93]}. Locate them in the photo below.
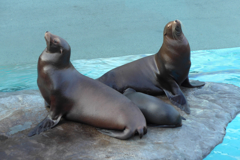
{"type": "Point", "coordinates": [46, 124]}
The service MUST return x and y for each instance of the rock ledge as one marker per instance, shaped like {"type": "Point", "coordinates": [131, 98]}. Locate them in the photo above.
{"type": "Point", "coordinates": [212, 108]}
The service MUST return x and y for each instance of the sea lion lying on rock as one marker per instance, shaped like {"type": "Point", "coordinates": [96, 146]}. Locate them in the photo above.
{"type": "Point", "coordinates": [156, 112]}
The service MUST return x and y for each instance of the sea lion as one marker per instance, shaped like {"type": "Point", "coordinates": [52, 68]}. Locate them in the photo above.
{"type": "Point", "coordinates": [161, 73]}
{"type": "Point", "coordinates": [156, 112]}
{"type": "Point", "coordinates": [71, 95]}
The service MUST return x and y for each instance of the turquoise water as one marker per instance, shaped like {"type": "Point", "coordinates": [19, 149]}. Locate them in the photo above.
{"type": "Point", "coordinates": [222, 65]}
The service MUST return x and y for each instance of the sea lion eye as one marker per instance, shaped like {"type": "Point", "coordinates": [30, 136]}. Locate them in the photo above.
{"type": "Point", "coordinates": [55, 41]}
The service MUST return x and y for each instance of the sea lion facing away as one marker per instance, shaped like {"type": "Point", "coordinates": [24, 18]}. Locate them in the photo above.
{"type": "Point", "coordinates": [156, 112]}
{"type": "Point", "coordinates": [78, 98]}
{"type": "Point", "coordinates": [161, 73]}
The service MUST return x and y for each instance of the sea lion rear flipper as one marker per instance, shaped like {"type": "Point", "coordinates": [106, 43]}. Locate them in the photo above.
{"type": "Point", "coordinates": [165, 126]}
{"type": "Point", "coordinates": [128, 90]}
{"type": "Point", "coordinates": [46, 124]}
{"type": "Point", "coordinates": [183, 118]}
{"type": "Point", "coordinates": [193, 84]}
{"type": "Point", "coordinates": [175, 95]}
{"type": "Point", "coordinates": [116, 134]}
{"type": "Point", "coordinates": [125, 134]}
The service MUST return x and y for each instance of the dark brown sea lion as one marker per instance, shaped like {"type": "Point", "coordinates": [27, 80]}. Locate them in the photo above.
{"type": "Point", "coordinates": [161, 73]}
{"type": "Point", "coordinates": [156, 112]}
{"type": "Point", "coordinates": [76, 97]}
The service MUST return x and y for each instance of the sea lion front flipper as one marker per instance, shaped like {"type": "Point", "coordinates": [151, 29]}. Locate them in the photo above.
{"type": "Point", "coordinates": [46, 104]}
{"type": "Point", "coordinates": [193, 84]}
{"type": "Point", "coordinates": [46, 124]}
{"type": "Point", "coordinates": [52, 119]}
{"type": "Point", "coordinates": [175, 95]}
{"type": "Point", "coordinates": [179, 100]}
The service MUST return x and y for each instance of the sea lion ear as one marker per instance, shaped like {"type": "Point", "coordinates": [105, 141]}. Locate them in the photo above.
{"type": "Point", "coordinates": [61, 50]}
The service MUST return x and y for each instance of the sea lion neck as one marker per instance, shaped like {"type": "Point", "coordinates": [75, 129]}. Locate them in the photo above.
{"type": "Point", "coordinates": [55, 59]}
{"type": "Point", "coordinates": [181, 43]}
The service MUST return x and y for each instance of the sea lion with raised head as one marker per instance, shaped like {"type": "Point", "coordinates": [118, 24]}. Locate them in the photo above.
{"type": "Point", "coordinates": [156, 112]}
{"type": "Point", "coordinates": [161, 73]}
{"type": "Point", "coordinates": [71, 95]}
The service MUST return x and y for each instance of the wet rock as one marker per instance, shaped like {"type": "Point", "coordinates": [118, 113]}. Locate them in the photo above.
{"type": "Point", "coordinates": [212, 108]}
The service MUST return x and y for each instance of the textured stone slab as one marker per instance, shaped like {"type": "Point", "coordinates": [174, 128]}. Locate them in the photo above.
{"type": "Point", "coordinates": [212, 108]}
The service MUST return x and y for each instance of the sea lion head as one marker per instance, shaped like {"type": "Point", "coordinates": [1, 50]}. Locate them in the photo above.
{"type": "Point", "coordinates": [173, 30]}
{"type": "Point", "coordinates": [58, 47]}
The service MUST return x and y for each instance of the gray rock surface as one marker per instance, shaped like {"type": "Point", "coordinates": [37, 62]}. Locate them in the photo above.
{"type": "Point", "coordinates": [212, 108]}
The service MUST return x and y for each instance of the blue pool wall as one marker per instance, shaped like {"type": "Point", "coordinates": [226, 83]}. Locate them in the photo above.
{"type": "Point", "coordinates": [110, 28]}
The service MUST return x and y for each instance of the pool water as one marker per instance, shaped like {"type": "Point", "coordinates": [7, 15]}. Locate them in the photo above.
{"type": "Point", "coordinates": [221, 65]}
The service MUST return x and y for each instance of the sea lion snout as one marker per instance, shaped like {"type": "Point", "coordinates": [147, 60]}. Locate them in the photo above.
{"type": "Point", "coordinates": [177, 21]}
{"type": "Point", "coordinates": [177, 24]}
{"type": "Point", "coordinates": [176, 29]}
{"type": "Point", "coordinates": [47, 36]}
{"type": "Point", "coordinates": [47, 33]}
